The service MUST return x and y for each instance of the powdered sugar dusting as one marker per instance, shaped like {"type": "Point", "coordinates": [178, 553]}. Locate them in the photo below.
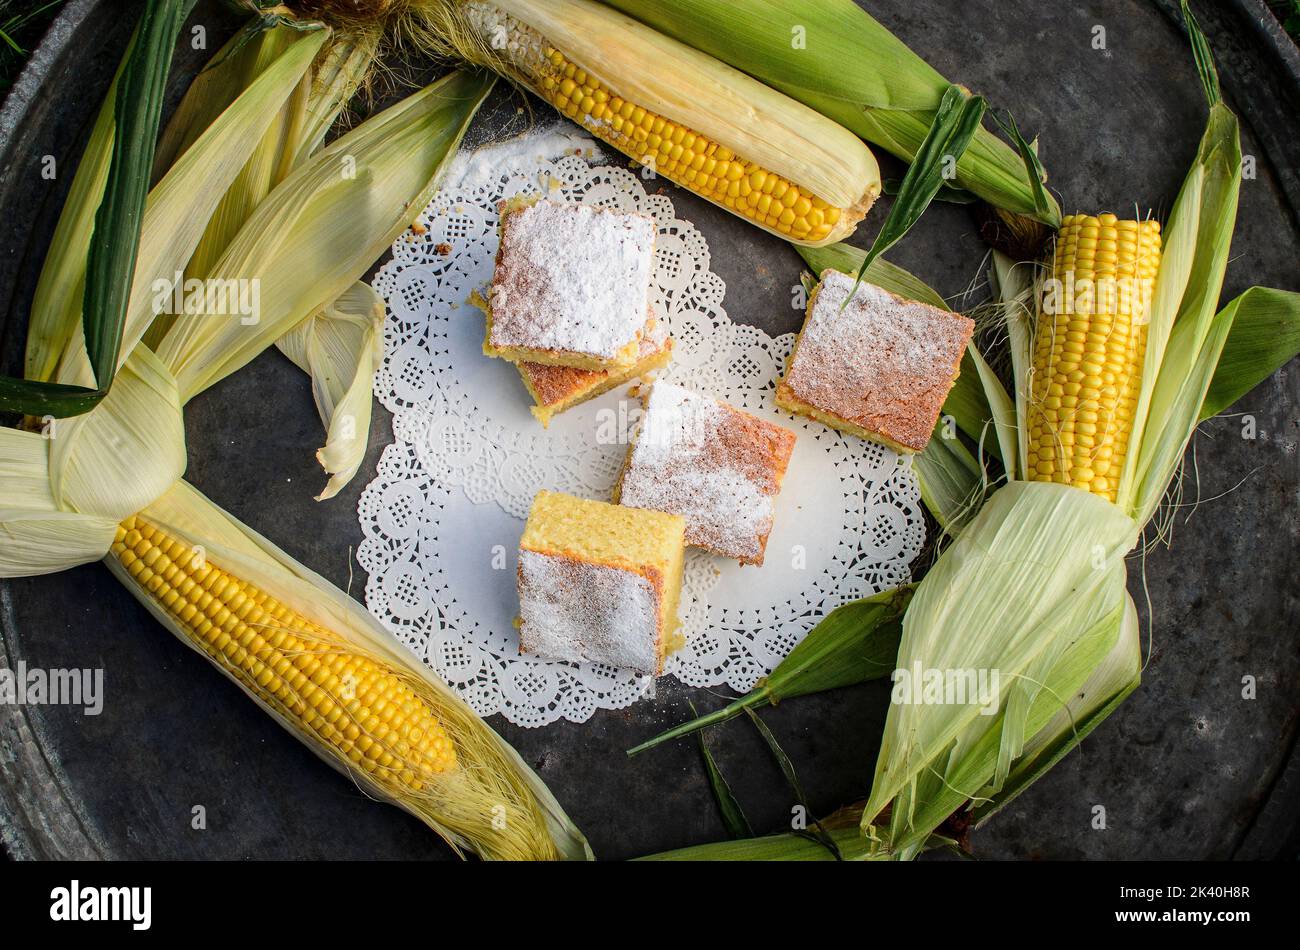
{"type": "Point", "coordinates": [715, 465]}
{"type": "Point", "coordinates": [519, 157]}
{"type": "Point", "coordinates": [581, 612]}
{"type": "Point", "coordinates": [882, 362]}
{"type": "Point", "coordinates": [572, 277]}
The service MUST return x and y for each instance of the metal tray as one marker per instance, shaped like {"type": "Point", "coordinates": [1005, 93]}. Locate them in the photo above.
{"type": "Point", "coordinates": [1186, 769]}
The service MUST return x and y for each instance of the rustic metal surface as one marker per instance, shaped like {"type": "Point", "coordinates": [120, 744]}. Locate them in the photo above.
{"type": "Point", "coordinates": [1187, 768]}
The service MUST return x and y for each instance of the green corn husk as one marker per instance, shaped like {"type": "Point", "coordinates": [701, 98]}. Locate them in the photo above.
{"type": "Point", "coordinates": [840, 840]}
{"type": "Point", "coordinates": [1265, 336]}
{"type": "Point", "coordinates": [733, 816]}
{"type": "Point", "coordinates": [784, 847]}
{"type": "Point", "coordinates": [852, 644]}
{"type": "Point", "coordinates": [115, 184]}
{"type": "Point", "coordinates": [1089, 682]}
{"type": "Point", "coordinates": [170, 213]}
{"type": "Point", "coordinates": [56, 305]}
{"type": "Point", "coordinates": [1185, 335]}
{"type": "Point", "coordinates": [1033, 588]}
{"type": "Point", "coordinates": [852, 70]}
{"type": "Point", "coordinates": [953, 483]}
{"type": "Point", "coordinates": [180, 205]}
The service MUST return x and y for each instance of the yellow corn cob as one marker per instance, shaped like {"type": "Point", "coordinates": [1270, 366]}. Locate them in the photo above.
{"type": "Point", "coordinates": [680, 155]}
{"type": "Point", "coordinates": [1088, 350]}
{"type": "Point", "coordinates": [609, 107]}
{"type": "Point", "coordinates": [307, 674]}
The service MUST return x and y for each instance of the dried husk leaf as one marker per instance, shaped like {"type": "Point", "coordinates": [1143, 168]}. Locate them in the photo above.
{"type": "Point", "coordinates": [341, 346]}
{"type": "Point", "coordinates": [36, 536]}
{"type": "Point", "coordinates": [325, 225]}
{"type": "Point", "coordinates": [180, 205]}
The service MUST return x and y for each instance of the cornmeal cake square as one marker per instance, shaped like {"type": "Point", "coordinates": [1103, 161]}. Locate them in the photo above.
{"type": "Point", "coordinates": [571, 285]}
{"type": "Point", "coordinates": [879, 368]}
{"type": "Point", "coordinates": [557, 388]}
{"type": "Point", "coordinates": [718, 467]}
{"type": "Point", "coordinates": [599, 583]}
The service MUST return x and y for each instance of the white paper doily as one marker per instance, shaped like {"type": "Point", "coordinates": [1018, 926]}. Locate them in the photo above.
{"type": "Point", "coordinates": [442, 518]}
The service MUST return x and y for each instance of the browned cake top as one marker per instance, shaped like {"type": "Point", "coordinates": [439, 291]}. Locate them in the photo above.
{"type": "Point", "coordinates": [882, 362]}
{"type": "Point", "coordinates": [715, 465]}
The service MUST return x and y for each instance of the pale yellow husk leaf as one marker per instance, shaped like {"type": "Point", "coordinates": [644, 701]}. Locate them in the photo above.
{"type": "Point", "coordinates": [128, 450]}
{"type": "Point", "coordinates": [1034, 571]}
{"type": "Point", "coordinates": [36, 537]}
{"type": "Point", "coordinates": [180, 205]}
{"type": "Point", "coordinates": [232, 70]}
{"type": "Point", "coordinates": [296, 133]}
{"type": "Point", "coordinates": [341, 346]}
{"type": "Point", "coordinates": [301, 245]}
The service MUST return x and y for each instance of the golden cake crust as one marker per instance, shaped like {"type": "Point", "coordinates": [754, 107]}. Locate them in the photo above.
{"type": "Point", "coordinates": [599, 583]}
{"type": "Point", "coordinates": [556, 388]}
{"type": "Point", "coordinates": [552, 385]}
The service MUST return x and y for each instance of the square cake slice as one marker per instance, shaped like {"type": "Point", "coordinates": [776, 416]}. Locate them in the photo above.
{"type": "Point", "coordinates": [557, 388]}
{"type": "Point", "coordinates": [718, 467]}
{"type": "Point", "coordinates": [879, 368]}
{"type": "Point", "coordinates": [571, 285]}
{"type": "Point", "coordinates": [599, 583]}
